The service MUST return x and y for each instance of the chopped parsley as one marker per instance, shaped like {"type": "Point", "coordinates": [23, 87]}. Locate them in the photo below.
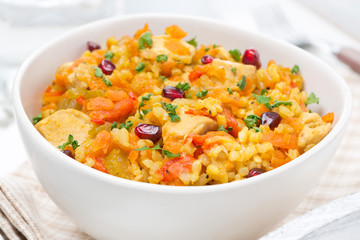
{"type": "Point", "coordinates": [233, 70]}
{"type": "Point", "coordinates": [202, 94]}
{"type": "Point", "coordinates": [183, 86]}
{"type": "Point", "coordinates": [221, 128]}
{"type": "Point", "coordinates": [161, 58]}
{"type": "Point", "coordinates": [166, 153]}
{"type": "Point", "coordinates": [171, 111]}
{"type": "Point", "coordinates": [140, 67]}
{"type": "Point", "coordinates": [163, 78]}
{"type": "Point", "coordinates": [73, 143]}
{"type": "Point", "coordinates": [263, 91]}
{"type": "Point", "coordinates": [278, 103]}
{"type": "Point", "coordinates": [312, 99]}
{"type": "Point", "coordinates": [127, 125]}
{"type": "Point", "coordinates": [262, 99]}
{"type": "Point", "coordinates": [230, 91]}
{"type": "Point", "coordinates": [145, 41]}
{"type": "Point", "coordinates": [113, 125]}
{"type": "Point", "coordinates": [214, 45]}
{"type": "Point", "coordinates": [99, 73]}
{"type": "Point", "coordinates": [252, 120]}
{"type": "Point", "coordinates": [236, 54]}
{"type": "Point", "coordinates": [257, 129]}
{"type": "Point", "coordinates": [295, 69]}
{"type": "Point", "coordinates": [193, 42]}
{"type": "Point", "coordinates": [109, 55]}
{"type": "Point", "coordinates": [142, 113]}
{"type": "Point", "coordinates": [37, 118]}
{"type": "Point", "coordinates": [207, 49]}
{"type": "Point", "coordinates": [242, 83]}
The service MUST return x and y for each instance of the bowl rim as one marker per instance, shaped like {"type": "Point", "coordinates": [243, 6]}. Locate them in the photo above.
{"type": "Point", "coordinates": [23, 120]}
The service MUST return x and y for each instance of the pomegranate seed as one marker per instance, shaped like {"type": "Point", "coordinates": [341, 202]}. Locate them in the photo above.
{"type": "Point", "coordinates": [207, 59]}
{"type": "Point", "coordinates": [67, 153]}
{"type": "Point", "coordinates": [251, 57]}
{"type": "Point", "coordinates": [148, 131]}
{"type": "Point", "coordinates": [270, 118]}
{"type": "Point", "coordinates": [107, 66]}
{"type": "Point", "coordinates": [254, 172]}
{"type": "Point", "coordinates": [173, 92]}
{"type": "Point", "coordinates": [91, 46]}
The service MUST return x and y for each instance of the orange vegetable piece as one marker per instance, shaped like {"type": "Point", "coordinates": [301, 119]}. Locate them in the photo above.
{"type": "Point", "coordinates": [133, 155]}
{"type": "Point", "coordinates": [175, 46]}
{"type": "Point", "coordinates": [116, 96]}
{"type": "Point", "coordinates": [81, 100]}
{"type": "Point", "coordinates": [99, 103]}
{"type": "Point", "coordinates": [329, 117]}
{"type": "Point", "coordinates": [287, 141]}
{"type": "Point", "coordinates": [175, 32]}
{"type": "Point", "coordinates": [100, 164]}
{"type": "Point", "coordinates": [173, 168]}
{"type": "Point", "coordinates": [232, 122]}
{"type": "Point", "coordinates": [199, 112]}
{"type": "Point", "coordinates": [278, 159]}
{"type": "Point", "coordinates": [194, 75]}
{"type": "Point", "coordinates": [295, 123]}
{"type": "Point", "coordinates": [166, 68]}
{"type": "Point", "coordinates": [101, 142]}
{"type": "Point", "coordinates": [120, 111]}
{"type": "Point", "coordinates": [140, 32]}
{"type": "Point", "coordinates": [199, 140]}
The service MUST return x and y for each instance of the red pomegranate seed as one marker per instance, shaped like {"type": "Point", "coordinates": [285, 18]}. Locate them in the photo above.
{"type": "Point", "coordinates": [254, 172]}
{"type": "Point", "coordinates": [207, 59]}
{"type": "Point", "coordinates": [148, 131]}
{"type": "Point", "coordinates": [107, 66]}
{"type": "Point", "coordinates": [68, 153]}
{"type": "Point", "coordinates": [270, 118]}
{"type": "Point", "coordinates": [251, 57]}
{"type": "Point", "coordinates": [91, 46]}
{"type": "Point", "coordinates": [173, 92]}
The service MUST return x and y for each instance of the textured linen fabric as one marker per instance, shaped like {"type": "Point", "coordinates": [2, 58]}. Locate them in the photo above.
{"type": "Point", "coordinates": [27, 212]}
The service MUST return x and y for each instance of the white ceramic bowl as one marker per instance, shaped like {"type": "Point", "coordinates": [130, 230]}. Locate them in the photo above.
{"type": "Point", "coordinates": [107, 207]}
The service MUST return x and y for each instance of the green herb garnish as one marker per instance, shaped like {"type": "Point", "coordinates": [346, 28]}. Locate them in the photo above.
{"type": "Point", "coordinates": [221, 128]}
{"type": "Point", "coordinates": [171, 109]}
{"type": "Point", "coordinates": [230, 91]}
{"type": "Point", "coordinates": [233, 70]}
{"type": "Point", "coordinates": [183, 86]}
{"type": "Point", "coordinates": [145, 40]}
{"type": "Point", "coordinates": [126, 125]}
{"type": "Point", "coordinates": [202, 94]}
{"type": "Point", "coordinates": [37, 118]}
{"type": "Point", "coordinates": [140, 67]}
{"type": "Point", "coordinates": [242, 83]}
{"type": "Point", "coordinates": [312, 99]}
{"type": "Point", "coordinates": [207, 49]}
{"type": "Point", "coordinates": [295, 69]}
{"type": "Point", "coordinates": [262, 99]}
{"type": "Point", "coordinates": [214, 45]}
{"type": "Point", "coordinates": [236, 54]}
{"type": "Point", "coordinates": [252, 120]}
{"type": "Point", "coordinates": [99, 73]}
{"type": "Point", "coordinates": [278, 103]}
{"type": "Point", "coordinates": [163, 78]}
{"type": "Point", "coordinates": [193, 42]}
{"type": "Point", "coordinates": [161, 58]}
{"type": "Point", "coordinates": [166, 153]}
{"type": "Point", "coordinates": [145, 98]}
{"type": "Point", "coordinates": [113, 125]}
{"type": "Point", "coordinates": [257, 129]}
{"type": "Point", "coordinates": [109, 55]}
{"type": "Point", "coordinates": [74, 143]}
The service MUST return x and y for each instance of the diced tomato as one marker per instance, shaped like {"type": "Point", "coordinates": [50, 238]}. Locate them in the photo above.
{"type": "Point", "coordinates": [293, 84]}
{"type": "Point", "coordinates": [81, 100]}
{"type": "Point", "coordinates": [98, 121]}
{"type": "Point", "coordinates": [132, 96]}
{"type": "Point", "coordinates": [232, 122]}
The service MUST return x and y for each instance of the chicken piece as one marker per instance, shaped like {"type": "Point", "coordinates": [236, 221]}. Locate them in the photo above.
{"type": "Point", "coordinates": [314, 131]}
{"type": "Point", "coordinates": [233, 72]}
{"type": "Point", "coordinates": [188, 124]}
{"type": "Point", "coordinates": [175, 49]}
{"type": "Point", "coordinates": [80, 76]}
{"type": "Point", "coordinates": [57, 127]}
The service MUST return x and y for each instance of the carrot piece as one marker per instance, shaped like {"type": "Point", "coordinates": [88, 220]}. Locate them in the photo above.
{"type": "Point", "coordinates": [329, 117]}
{"type": "Point", "coordinates": [199, 112]}
{"type": "Point", "coordinates": [100, 164]}
{"type": "Point", "coordinates": [133, 155]}
{"type": "Point", "coordinates": [81, 100]}
{"type": "Point", "coordinates": [102, 142]}
{"type": "Point", "coordinates": [98, 121]}
{"type": "Point", "coordinates": [173, 168]}
{"type": "Point", "coordinates": [194, 75]}
{"type": "Point", "coordinates": [232, 122]}
{"type": "Point", "coordinates": [99, 103]}
{"type": "Point", "coordinates": [199, 140]}
{"type": "Point", "coordinates": [120, 111]}
{"type": "Point", "coordinates": [166, 67]}
{"type": "Point", "coordinates": [116, 96]}
{"type": "Point", "coordinates": [295, 123]}
{"type": "Point", "coordinates": [140, 32]}
{"type": "Point", "coordinates": [175, 32]}
{"type": "Point", "coordinates": [287, 141]}
{"type": "Point", "coordinates": [278, 159]}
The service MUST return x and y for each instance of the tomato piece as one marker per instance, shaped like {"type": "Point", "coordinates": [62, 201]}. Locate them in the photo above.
{"type": "Point", "coordinates": [194, 75]}
{"type": "Point", "coordinates": [232, 122]}
{"type": "Point", "coordinates": [81, 100]}
{"type": "Point", "coordinates": [173, 168]}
